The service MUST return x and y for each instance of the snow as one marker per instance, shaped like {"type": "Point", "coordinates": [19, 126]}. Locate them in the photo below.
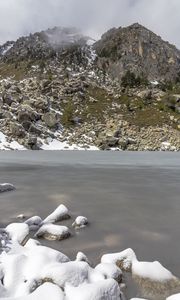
{"type": "Point", "coordinates": [165, 146]}
{"type": "Point", "coordinates": [27, 272]}
{"type": "Point", "coordinates": [5, 145]}
{"type": "Point", "coordinates": [80, 222]}
{"type": "Point", "coordinates": [126, 257]}
{"type": "Point", "coordinates": [55, 144]}
{"type": "Point", "coordinates": [174, 297]}
{"type": "Point", "coordinates": [109, 271]}
{"type": "Point", "coordinates": [53, 232]}
{"type": "Point", "coordinates": [4, 187]}
{"type": "Point", "coordinates": [59, 214]}
{"type": "Point", "coordinates": [18, 231]}
{"type": "Point", "coordinates": [7, 49]}
{"type": "Point", "coordinates": [103, 290]}
{"type": "Point", "coordinates": [155, 82]}
{"type": "Point", "coordinates": [73, 273]}
{"type": "Point", "coordinates": [48, 144]}
{"type": "Point", "coordinates": [42, 292]}
{"type": "Point", "coordinates": [82, 257]}
{"type": "Point", "coordinates": [151, 270]}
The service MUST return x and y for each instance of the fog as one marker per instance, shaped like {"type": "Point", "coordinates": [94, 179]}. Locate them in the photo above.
{"type": "Point", "coordinates": [93, 17]}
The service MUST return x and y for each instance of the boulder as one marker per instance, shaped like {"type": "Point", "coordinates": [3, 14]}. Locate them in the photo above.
{"type": "Point", "coordinates": [17, 130]}
{"type": "Point", "coordinates": [53, 232]}
{"type": "Point", "coordinates": [80, 222]}
{"type": "Point", "coordinates": [51, 119]}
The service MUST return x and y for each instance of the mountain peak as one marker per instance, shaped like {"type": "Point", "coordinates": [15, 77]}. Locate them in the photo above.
{"type": "Point", "coordinates": [137, 49]}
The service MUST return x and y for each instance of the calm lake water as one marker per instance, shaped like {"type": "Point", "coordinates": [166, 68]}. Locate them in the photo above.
{"type": "Point", "coordinates": [131, 199]}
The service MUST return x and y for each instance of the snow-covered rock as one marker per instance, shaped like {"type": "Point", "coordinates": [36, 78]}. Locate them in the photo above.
{"type": "Point", "coordinates": [82, 257]}
{"type": "Point", "coordinates": [42, 292]}
{"type": "Point", "coordinates": [153, 279]}
{"type": "Point", "coordinates": [166, 146]}
{"type": "Point", "coordinates": [6, 187]}
{"type": "Point", "coordinates": [34, 222]}
{"type": "Point", "coordinates": [73, 273]}
{"type": "Point", "coordinates": [122, 259]}
{"type": "Point", "coordinates": [21, 217]}
{"type": "Point", "coordinates": [61, 213]}
{"type": "Point", "coordinates": [110, 271]}
{"type": "Point", "coordinates": [103, 290]}
{"type": "Point", "coordinates": [151, 270]}
{"type": "Point", "coordinates": [18, 232]}
{"type": "Point", "coordinates": [80, 222]}
{"type": "Point", "coordinates": [53, 232]}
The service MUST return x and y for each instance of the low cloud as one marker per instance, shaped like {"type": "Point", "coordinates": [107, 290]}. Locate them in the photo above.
{"type": "Point", "coordinates": [21, 17]}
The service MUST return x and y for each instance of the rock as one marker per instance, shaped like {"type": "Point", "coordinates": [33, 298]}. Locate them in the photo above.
{"type": "Point", "coordinates": [82, 257]}
{"type": "Point", "coordinates": [153, 279]}
{"type": "Point", "coordinates": [6, 187]}
{"type": "Point", "coordinates": [32, 143]}
{"type": "Point", "coordinates": [122, 259]}
{"type": "Point", "coordinates": [18, 232]}
{"type": "Point", "coordinates": [80, 222]}
{"type": "Point", "coordinates": [26, 113]}
{"type": "Point", "coordinates": [51, 119]}
{"type": "Point", "coordinates": [34, 222]}
{"type": "Point", "coordinates": [61, 213]}
{"type": "Point", "coordinates": [110, 271]}
{"type": "Point", "coordinates": [21, 217]}
{"type": "Point", "coordinates": [7, 98]}
{"type": "Point", "coordinates": [17, 130]}
{"type": "Point", "coordinates": [53, 232]}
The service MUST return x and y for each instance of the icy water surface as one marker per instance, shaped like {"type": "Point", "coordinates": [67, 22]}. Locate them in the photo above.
{"type": "Point", "coordinates": [131, 199]}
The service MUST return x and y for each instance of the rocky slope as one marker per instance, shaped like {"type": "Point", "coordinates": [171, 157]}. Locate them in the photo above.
{"type": "Point", "coordinates": [57, 92]}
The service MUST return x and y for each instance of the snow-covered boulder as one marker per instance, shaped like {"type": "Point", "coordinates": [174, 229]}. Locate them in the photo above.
{"type": "Point", "coordinates": [82, 257]}
{"type": "Point", "coordinates": [18, 232]}
{"type": "Point", "coordinates": [102, 290]}
{"type": "Point", "coordinates": [122, 259]}
{"type": "Point", "coordinates": [73, 273]}
{"type": "Point", "coordinates": [154, 279]}
{"type": "Point", "coordinates": [61, 213]}
{"type": "Point", "coordinates": [34, 222]}
{"type": "Point", "coordinates": [80, 222]}
{"type": "Point", "coordinates": [53, 232]}
{"type": "Point", "coordinates": [42, 292]}
{"type": "Point", "coordinates": [21, 217]}
{"type": "Point", "coordinates": [6, 187]}
{"type": "Point", "coordinates": [110, 271]}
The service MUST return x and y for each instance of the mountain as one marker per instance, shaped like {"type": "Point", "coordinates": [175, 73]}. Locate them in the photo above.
{"type": "Point", "coordinates": [137, 49]}
{"type": "Point", "coordinates": [61, 90]}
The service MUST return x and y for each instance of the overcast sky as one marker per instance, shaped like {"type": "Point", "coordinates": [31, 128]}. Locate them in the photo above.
{"type": "Point", "coordinates": [20, 17]}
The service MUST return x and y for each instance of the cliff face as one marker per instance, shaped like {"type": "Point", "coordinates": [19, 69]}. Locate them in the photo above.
{"type": "Point", "coordinates": [139, 50]}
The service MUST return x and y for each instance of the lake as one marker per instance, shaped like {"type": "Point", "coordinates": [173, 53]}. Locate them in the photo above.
{"type": "Point", "coordinates": [132, 199]}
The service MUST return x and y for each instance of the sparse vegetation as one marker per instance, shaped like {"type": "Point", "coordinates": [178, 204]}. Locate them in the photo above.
{"type": "Point", "coordinates": [130, 80]}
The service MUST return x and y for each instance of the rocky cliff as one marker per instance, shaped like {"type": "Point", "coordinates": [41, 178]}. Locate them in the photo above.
{"type": "Point", "coordinates": [137, 49]}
